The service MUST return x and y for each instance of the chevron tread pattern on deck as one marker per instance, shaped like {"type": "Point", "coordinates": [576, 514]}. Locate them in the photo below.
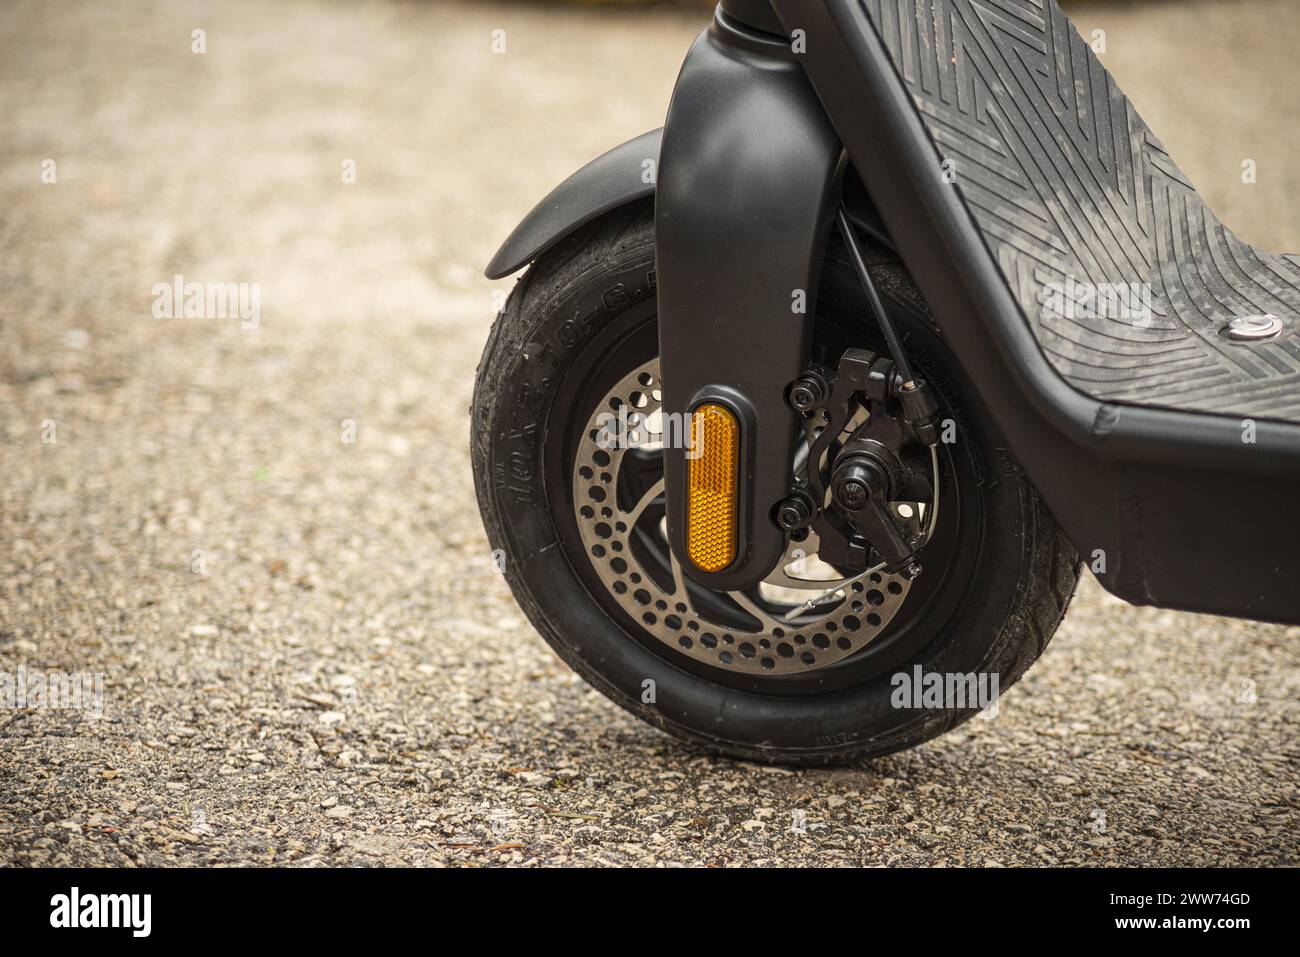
{"type": "Point", "coordinates": [1068, 186]}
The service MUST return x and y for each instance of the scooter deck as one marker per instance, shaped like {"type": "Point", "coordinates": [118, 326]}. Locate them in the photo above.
{"type": "Point", "coordinates": [1125, 276]}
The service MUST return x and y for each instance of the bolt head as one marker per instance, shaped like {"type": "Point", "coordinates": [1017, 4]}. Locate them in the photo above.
{"type": "Point", "coordinates": [792, 514]}
{"type": "Point", "coordinates": [802, 398]}
{"type": "Point", "coordinates": [854, 494]}
{"type": "Point", "coordinates": [1252, 328]}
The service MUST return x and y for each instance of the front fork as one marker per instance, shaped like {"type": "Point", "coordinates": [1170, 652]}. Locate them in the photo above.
{"type": "Point", "coordinates": [750, 181]}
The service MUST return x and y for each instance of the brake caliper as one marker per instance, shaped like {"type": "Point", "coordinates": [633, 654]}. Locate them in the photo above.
{"type": "Point", "coordinates": [859, 491]}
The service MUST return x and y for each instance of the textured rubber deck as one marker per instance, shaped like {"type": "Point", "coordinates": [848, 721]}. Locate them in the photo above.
{"type": "Point", "coordinates": [1076, 198]}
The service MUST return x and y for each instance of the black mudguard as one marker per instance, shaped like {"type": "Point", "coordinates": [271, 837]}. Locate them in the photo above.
{"type": "Point", "coordinates": [623, 175]}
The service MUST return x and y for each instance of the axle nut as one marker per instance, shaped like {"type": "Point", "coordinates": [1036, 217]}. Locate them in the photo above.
{"type": "Point", "coordinates": [793, 513]}
{"type": "Point", "coordinates": [808, 392]}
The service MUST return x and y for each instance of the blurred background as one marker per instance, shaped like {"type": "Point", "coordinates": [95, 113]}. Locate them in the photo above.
{"type": "Point", "coordinates": [308, 655]}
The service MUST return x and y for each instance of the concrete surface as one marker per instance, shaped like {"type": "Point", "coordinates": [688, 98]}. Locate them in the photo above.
{"type": "Point", "coordinates": [307, 656]}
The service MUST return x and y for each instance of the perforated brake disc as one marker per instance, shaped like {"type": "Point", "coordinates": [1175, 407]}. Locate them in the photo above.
{"type": "Point", "coordinates": [806, 615]}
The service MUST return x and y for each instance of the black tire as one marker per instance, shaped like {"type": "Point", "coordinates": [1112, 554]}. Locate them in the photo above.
{"type": "Point", "coordinates": [1003, 594]}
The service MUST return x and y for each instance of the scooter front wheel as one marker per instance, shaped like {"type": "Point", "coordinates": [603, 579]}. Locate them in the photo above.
{"type": "Point", "coordinates": [818, 663]}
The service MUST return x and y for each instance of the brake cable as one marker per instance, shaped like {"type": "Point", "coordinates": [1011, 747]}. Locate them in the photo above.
{"type": "Point", "coordinates": [882, 318]}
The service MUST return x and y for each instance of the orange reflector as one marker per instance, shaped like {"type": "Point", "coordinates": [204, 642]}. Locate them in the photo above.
{"type": "Point", "coordinates": [711, 465]}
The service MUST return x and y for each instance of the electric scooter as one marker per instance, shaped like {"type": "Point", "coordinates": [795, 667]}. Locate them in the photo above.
{"type": "Point", "coordinates": [832, 385]}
